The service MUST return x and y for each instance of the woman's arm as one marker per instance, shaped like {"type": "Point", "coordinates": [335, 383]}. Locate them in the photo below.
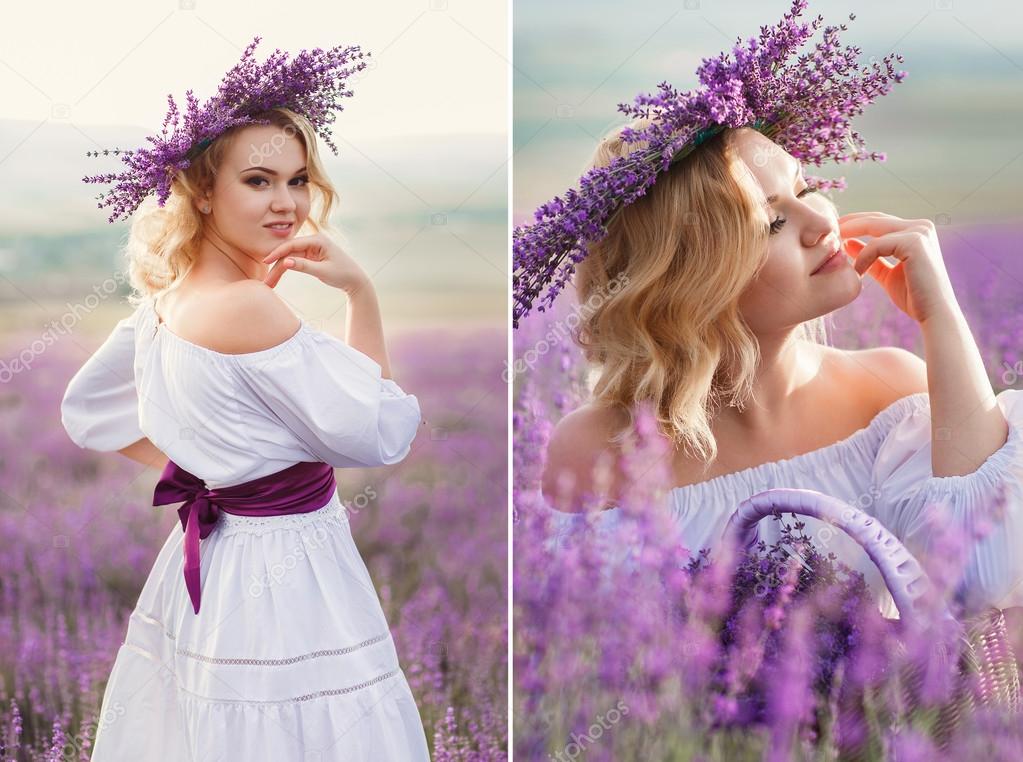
{"type": "Point", "coordinates": [145, 452]}
{"type": "Point", "coordinates": [363, 328]}
{"type": "Point", "coordinates": [967, 425]}
{"type": "Point", "coordinates": [320, 255]}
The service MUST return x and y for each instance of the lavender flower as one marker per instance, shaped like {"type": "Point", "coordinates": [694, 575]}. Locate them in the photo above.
{"type": "Point", "coordinates": [805, 105]}
{"type": "Point", "coordinates": [311, 84]}
{"type": "Point", "coordinates": [72, 577]}
{"type": "Point", "coordinates": [691, 654]}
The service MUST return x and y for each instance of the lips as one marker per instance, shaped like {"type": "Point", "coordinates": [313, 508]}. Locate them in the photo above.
{"type": "Point", "coordinates": [287, 222]}
{"type": "Point", "coordinates": [832, 255]}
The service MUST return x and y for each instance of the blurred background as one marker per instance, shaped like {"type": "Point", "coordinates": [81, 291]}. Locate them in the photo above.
{"type": "Point", "coordinates": [422, 176]}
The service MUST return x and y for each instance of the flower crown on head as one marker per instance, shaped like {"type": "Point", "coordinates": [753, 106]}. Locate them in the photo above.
{"type": "Point", "coordinates": [805, 106]}
{"type": "Point", "coordinates": [311, 84]}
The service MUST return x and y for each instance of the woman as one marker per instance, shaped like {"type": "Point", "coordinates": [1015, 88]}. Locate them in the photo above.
{"type": "Point", "coordinates": [274, 645]}
{"type": "Point", "coordinates": [729, 264]}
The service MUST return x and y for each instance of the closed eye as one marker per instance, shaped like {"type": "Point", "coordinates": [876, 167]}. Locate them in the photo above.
{"type": "Point", "coordinates": [779, 222]}
{"type": "Point", "coordinates": [252, 180]}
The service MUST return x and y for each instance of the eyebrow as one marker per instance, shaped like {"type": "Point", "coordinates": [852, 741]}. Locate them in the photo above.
{"type": "Point", "coordinates": [269, 171]}
{"type": "Point", "coordinates": [774, 197]}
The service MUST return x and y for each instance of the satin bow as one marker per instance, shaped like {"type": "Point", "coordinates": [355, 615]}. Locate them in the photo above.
{"type": "Point", "coordinates": [199, 514]}
{"type": "Point", "coordinates": [300, 488]}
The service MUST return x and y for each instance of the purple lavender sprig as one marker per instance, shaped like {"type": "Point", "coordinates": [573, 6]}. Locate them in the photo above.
{"type": "Point", "coordinates": [805, 105]}
{"type": "Point", "coordinates": [312, 84]}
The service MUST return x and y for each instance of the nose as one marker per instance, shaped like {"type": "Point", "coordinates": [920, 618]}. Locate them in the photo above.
{"type": "Point", "coordinates": [817, 227]}
{"type": "Point", "coordinates": [282, 200]}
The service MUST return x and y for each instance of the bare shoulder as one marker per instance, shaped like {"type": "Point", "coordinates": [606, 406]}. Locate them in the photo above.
{"type": "Point", "coordinates": [891, 373]}
{"type": "Point", "coordinates": [241, 317]}
{"type": "Point", "coordinates": [579, 450]}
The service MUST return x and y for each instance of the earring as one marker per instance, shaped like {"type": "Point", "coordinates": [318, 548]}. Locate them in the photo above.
{"type": "Point", "coordinates": [206, 210]}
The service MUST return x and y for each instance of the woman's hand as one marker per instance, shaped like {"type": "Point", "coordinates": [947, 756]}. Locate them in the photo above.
{"type": "Point", "coordinates": [919, 284]}
{"type": "Point", "coordinates": [318, 256]}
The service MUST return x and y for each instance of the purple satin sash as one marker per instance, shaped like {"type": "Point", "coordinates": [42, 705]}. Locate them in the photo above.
{"type": "Point", "coordinates": [301, 488]}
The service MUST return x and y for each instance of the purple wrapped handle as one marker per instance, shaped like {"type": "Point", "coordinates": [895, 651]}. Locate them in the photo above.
{"type": "Point", "coordinates": [902, 573]}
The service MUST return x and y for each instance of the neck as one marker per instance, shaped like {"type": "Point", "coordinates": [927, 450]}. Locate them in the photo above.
{"type": "Point", "coordinates": [217, 255]}
{"type": "Point", "coordinates": [786, 367]}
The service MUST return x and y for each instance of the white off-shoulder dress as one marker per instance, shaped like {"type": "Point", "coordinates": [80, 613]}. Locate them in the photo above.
{"type": "Point", "coordinates": [290, 656]}
{"type": "Point", "coordinates": [885, 470]}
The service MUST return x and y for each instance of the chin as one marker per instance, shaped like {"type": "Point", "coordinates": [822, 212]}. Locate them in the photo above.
{"type": "Point", "coordinates": [844, 289]}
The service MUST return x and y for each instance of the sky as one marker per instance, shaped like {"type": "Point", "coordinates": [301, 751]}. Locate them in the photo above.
{"type": "Point", "coordinates": [439, 66]}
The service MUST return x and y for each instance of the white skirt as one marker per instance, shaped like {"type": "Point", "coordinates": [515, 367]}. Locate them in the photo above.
{"type": "Point", "coordinates": [289, 658]}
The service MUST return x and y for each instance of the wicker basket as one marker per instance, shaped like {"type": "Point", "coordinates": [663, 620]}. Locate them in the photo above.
{"type": "Point", "coordinates": [989, 673]}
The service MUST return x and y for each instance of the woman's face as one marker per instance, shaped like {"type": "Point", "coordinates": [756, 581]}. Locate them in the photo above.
{"type": "Point", "coordinates": [261, 180]}
{"type": "Point", "coordinates": [804, 232]}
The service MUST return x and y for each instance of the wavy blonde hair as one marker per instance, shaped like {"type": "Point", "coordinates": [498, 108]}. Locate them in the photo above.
{"type": "Point", "coordinates": [660, 293]}
{"type": "Point", "coordinates": [163, 242]}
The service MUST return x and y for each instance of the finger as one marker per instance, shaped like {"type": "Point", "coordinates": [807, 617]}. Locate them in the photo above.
{"type": "Point", "coordinates": [279, 251]}
{"type": "Point", "coordinates": [276, 272]}
{"type": "Point", "coordinates": [308, 266]}
{"type": "Point", "coordinates": [886, 246]}
{"type": "Point", "coordinates": [879, 269]}
{"type": "Point", "coordinates": [295, 245]}
{"type": "Point", "coordinates": [856, 244]}
{"type": "Point", "coordinates": [852, 215]}
{"type": "Point", "coordinates": [873, 225]}
{"type": "Point", "coordinates": [853, 247]}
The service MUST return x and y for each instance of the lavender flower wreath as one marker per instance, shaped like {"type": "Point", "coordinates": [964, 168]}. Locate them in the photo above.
{"type": "Point", "coordinates": [311, 84]}
{"type": "Point", "coordinates": [805, 106]}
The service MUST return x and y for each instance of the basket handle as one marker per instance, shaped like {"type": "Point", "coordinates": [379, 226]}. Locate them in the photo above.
{"type": "Point", "coordinates": [902, 573]}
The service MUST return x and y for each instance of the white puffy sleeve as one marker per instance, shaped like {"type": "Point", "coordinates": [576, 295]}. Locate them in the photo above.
{"type": "Point", "coordinates": [333, 398]}
{"type": "Point", "coordinates": [980, 514]}
{"type": "Point", "coordinates": [100, 407]}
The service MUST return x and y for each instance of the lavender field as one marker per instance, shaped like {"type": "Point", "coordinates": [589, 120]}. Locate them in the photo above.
{"type": "Point", "coordinates": [668, 658]}
{"type": "Point", "coordinates": [80, 535]}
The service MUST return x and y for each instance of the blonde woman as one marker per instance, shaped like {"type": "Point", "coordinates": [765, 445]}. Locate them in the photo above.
{"type": "Point", "coordinates": [258, 634]}
{"type": "Point", "coordinates": [730, 263]}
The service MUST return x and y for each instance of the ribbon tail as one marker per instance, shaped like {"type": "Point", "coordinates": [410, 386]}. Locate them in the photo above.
{"type": "Point", "coordinates": [191, 548]}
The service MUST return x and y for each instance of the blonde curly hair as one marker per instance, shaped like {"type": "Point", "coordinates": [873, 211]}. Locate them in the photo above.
{"type": "Point", "coordinates": [672, 336]}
